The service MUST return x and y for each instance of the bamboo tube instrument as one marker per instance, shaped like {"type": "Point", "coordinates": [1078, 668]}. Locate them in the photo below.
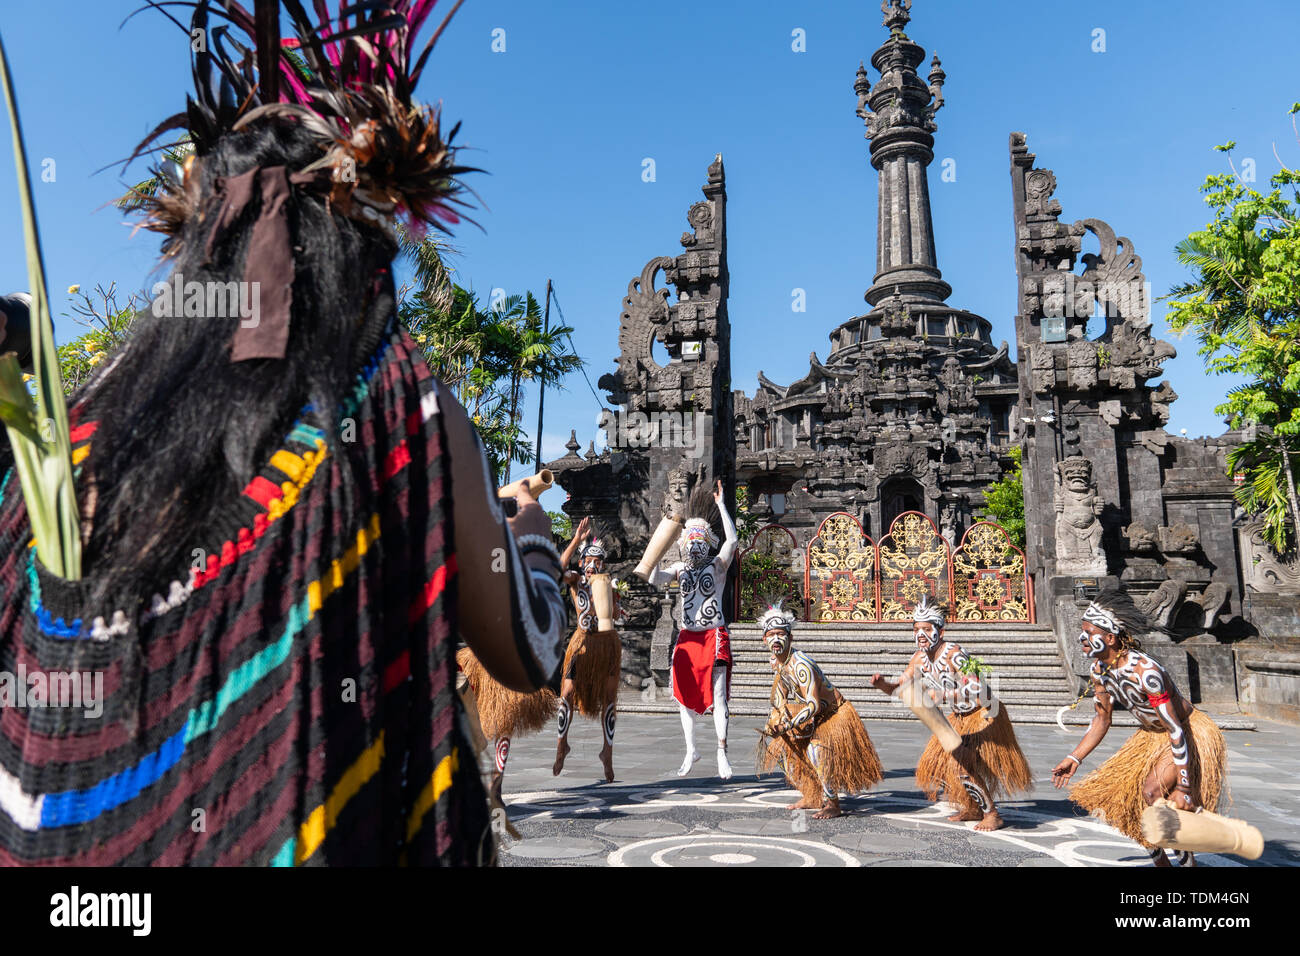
{"type": "Point", "coordinates": [1164, 825]}
{"type": "Point", "coordinates": [668, 531]}
{"type": "Point", "coordinates": [919, 703]}
{"type": "Point", "coordinates": [535, 484]}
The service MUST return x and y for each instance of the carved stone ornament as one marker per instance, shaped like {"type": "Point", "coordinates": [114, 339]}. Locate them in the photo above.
{"type": "Point", "coordinates": [1078, 530]}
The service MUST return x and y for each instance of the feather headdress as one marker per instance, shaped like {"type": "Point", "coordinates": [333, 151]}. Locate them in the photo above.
{"type": "Point", "coordinates": [928, 610]}
{"type": "Point", "coordinates": [347, 77]}
{"type": "Point", "coordinates": [775, 617]}
{"type": "Point", "coordinates": [595, 548]}
{"type": "Point", "coordinates": [1114, 610]}
{"type": "Point", "coordinates": [701, 515]}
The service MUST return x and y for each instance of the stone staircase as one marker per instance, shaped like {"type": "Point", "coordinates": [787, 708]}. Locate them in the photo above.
{"type": "Point", "coordinates": [1028, 673]}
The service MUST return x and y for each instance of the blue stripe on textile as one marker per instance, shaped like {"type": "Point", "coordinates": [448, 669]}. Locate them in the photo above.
{"type": "Point", "coordinates": [78, 806]}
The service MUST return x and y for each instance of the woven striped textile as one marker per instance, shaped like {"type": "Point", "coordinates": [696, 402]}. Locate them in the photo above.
{"type": "Point", "coordinates": [287, 701]}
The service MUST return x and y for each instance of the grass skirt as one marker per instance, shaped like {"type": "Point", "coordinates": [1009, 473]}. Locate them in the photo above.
{"type": "Point", "coordinates": [852, 765]}
{"type": "Point", "coordinates": [592, 659]}
{"type": "Point", "coordinates": [1113, 791]}
{"type": "Point", "coordinates": [503, 712]}
{"type": "Point", "coordinates": [1000, 762]}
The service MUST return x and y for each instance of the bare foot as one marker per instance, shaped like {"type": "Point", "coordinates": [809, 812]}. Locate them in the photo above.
{"type": "Point", "coordinates": [965, 816]}
{"type": "Point", "coordinates": [804, 804]}
{"type": "Point", "coordinates": [607, 761]}
{"type": "Point", "coordinates": [1161, 860]}
{"type": "Point", "coordinates": [992, 821]}
{"type": "Point", "coordinates": [687, 763]}
{"type": "Point", "coordinates": [561, 751]}
{"type": "Point", "coordinates": [830, 811]}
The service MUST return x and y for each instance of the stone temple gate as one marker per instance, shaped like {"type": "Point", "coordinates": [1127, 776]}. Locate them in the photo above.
{"type": "Point", "coordinates": [915, 411]}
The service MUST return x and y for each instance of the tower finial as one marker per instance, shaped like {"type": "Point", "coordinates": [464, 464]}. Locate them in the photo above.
{"type": "Point", "coordinates": [897, 14]}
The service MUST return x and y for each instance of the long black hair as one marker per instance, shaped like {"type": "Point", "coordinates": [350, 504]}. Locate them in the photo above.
{"type": "Point", "coordinates": [181, 429]}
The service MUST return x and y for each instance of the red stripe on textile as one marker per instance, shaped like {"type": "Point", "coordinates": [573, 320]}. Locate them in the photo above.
{"type": "Point", "coordinates": [397, 672]}
{"type": "Point", "coordinates": [433, 589]}
{"type": "Point", "coordinates": [82, 432]}
{"type": "Point", "coordinates": [397, 459]}
{"type": "Point", "coordinates": [263, 491]}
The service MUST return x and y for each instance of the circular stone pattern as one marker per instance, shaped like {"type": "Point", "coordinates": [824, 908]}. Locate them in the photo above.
{"type": "Point", "coordinates": [640, 829]}
{"type": "Point", "coordinates": [555, 848]}
{"type": "Point", "coordinates": [723, 849]}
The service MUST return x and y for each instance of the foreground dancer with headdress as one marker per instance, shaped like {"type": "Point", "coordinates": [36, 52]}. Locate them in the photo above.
{"type": "Point", "coordinates": [813, 734]}
{"type": "Point", "coordinates": [1178, 753]}
{"type": "Point", "coordinates": [296, 683]}
{"type": "Point", "coordinates": [595, 653]}
{"type": "Point", "coordinates": [701, 664]}
{"type": "Point", "coordinates": [989, 762]}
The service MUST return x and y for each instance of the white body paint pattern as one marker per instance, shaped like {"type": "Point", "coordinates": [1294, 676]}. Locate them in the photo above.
{"type": "Point", "coordinates": [1140, 685]}
{"type": "Point", "coordinates": [700, 590]}
{"type": "Point", "coordinates": [943, 678]}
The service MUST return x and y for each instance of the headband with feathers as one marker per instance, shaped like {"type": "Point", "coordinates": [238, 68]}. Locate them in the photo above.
{"type": "Point", "coordinates": [775, 617]}
{"type": "Point", "coordinates": [930, 611]}
{"type": "Point", "coordinates": [347, 77]}
{"type": "Point", "coordinates": [1114, 610]}
{"type": "Point", "coordinates": [701, 515]}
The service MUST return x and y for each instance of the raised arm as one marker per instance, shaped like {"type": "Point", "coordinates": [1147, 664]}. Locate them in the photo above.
{"type": "Point", "coordinates": [566, 559]}
{"type": "Point", "coordinates": [511, 613]}
{"type": "Point", "coordinates": [729, 539]}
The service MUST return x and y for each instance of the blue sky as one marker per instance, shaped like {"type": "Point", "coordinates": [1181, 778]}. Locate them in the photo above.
{"type": "Point", "coordinates": [585, 91]}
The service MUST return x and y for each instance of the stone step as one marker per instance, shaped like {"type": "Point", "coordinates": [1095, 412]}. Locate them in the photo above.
{"type": "Point", "coordinates": [1049, 684]}
{"type": "Point", "coordinates": [631, 702]}
{"type": "Point", "coordinates": [829, 656]}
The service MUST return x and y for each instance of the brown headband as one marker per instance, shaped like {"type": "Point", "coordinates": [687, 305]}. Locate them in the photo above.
{"type": "Point", "coordinates": [269, 261]}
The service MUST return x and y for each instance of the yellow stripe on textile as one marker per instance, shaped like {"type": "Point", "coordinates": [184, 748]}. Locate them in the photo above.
{"type": "Point", "coordinates": [434, 789]}
{"type": "Point", "coordinates": [321, 820]}
{"type": "Point", "coordinates": [289, 463]}
{"type": "Point", "coordinates": [332, 579]}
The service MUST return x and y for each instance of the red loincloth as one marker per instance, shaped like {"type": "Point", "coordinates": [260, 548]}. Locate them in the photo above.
{"type": "Point", "coordinates": [693, 659]}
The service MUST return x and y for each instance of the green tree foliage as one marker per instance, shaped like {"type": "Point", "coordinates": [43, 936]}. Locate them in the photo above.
{"type": "Point", "coordinates": [1004, 501]}
{"type": "Point", "coordinates": [561, 526]}
{"type": "Point", "coordinates": [1242, 305]}
{"type": "Point", "coordinates": [487, 357]}
{"type": "Point", "coordinates": [108, 324]}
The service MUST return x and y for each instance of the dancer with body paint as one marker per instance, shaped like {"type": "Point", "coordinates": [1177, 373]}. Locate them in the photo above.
{"type": "Point", "coordinates": [990, 760]}
{"type": "Point", "coordinates": [813, 734]}
{"type": "Point", "coordinates": [701, 661]}
{"type": "Point", "coordinates": [1178, 753]}
{"type": "Point", "coordinates": [591, 663]}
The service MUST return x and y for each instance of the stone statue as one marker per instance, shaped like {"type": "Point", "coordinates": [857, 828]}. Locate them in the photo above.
{"type": "Point", "coordinates": [1078, 531]}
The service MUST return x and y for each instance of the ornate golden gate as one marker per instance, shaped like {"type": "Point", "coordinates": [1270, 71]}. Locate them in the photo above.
{"type": "Point", "coordinates": [988, 577]}
{"type": "Point", "coordinates": [914, 560]}
{"type": "Point", "coordinates": [848, 577]}
{"type": "Point", "coordinates": [841, 581]}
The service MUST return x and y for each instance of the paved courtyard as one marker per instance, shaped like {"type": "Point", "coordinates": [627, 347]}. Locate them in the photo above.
{"type": "Point", "coordinates": [650, 816]}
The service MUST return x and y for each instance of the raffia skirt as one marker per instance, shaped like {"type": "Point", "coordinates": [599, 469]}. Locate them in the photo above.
{"type": "Point", "coordinates": [1113, 792]}
{"type": "Point", "coordinates": [852, 764]}
{"type": "Point", "coordinates": [503, 712]}
{"type": "Point", "coordinates": [593, 657]}
{"type": "Point", "coordinates": [1000, 762]}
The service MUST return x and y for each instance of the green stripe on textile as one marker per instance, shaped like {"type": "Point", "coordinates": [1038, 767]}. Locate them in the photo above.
{"type": "Point", "coordinates": [206, 715]}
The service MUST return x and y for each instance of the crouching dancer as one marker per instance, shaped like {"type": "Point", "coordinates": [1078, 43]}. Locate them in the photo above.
{"type": "Point", "coordinates": [990, 760]}
{"type": "Point", "coordinates": [813, 734]}
{"type": "Point", "coordinates": [1178, 753]}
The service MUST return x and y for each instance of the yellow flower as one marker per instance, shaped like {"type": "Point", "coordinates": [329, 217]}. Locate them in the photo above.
{"type": "Point", "coordinates": [96, 359]}
{"type": "Point", "coordinates": [73, 289]}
